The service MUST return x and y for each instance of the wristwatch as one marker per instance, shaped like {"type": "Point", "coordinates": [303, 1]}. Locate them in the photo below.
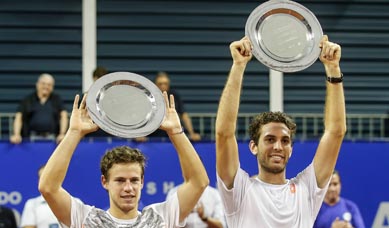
{"type": "Point", "coordinates": [335, 79]}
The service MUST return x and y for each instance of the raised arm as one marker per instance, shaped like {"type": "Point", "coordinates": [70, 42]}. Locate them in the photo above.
{"type": "Point", "coordinates": [53, 175]}
{"type": "Point", "coordinates": [334, 115]}
{"type": "Point", "coordinates": [227, 158]}
{"type": "Point", "coordinates": [193, 171]}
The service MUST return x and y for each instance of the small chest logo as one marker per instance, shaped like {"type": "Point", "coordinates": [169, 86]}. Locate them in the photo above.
{"type": "Point", "coordinates": [293, 188]}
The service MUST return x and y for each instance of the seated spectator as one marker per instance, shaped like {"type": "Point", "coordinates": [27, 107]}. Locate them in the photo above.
{"type": "Point", "coordinates": [7, 218]}
{"type": "Point", "coordinates": [37, 213]}
{"type": "Point", "coordinates": [208, 212]}
{"type": "Point", "coordinates": [41, 114]}
{"type": "Point", "coordinates": [162, 80]}
{"type": "Point", "coordinates": [337, 211]}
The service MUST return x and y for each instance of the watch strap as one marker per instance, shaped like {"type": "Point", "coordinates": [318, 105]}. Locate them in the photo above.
{"type": "Point", "coordinates": [335, 79]}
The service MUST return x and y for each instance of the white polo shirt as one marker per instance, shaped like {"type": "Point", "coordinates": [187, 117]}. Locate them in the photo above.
{"type": "Point", "coordinates": [37, 213]}
{"type": "Point", "coordinates": [254, 203]}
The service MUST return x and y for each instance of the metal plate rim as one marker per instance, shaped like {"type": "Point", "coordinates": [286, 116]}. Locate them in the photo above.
{"type": "Point", "coordinates": [117, 129]}
{"type": "Point", "coordinates": [301, 64]}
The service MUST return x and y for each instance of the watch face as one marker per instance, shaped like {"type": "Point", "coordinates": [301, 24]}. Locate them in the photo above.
{"type": "Point", "coordinates": [126, 105]}
{"type": "Point", "coordinates": [285, 35]}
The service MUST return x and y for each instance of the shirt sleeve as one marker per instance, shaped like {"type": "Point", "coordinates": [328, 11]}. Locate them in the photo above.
{"type": "Point", "coordinates": [79, 211]}
{"type": "Point", "coordinates": [357, 220]}
{"type": "Point", "coordinates": [232, 198]}
{"type": "Point", "coordinates": [171, 192]}
{"type": "Point", "coordinates": [28, 215]}
{"type": "Point", "coordinates": [23, 105]}
{"type": "Point", "coordinates": [170, 211]}
{"type": "Point", "coordinates": [316, 195]}
{"type": "Point", "coordinates": [60, 104]}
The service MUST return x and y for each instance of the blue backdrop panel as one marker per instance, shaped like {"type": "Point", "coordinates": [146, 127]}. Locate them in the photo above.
{"type": "Point", "coordinates": [362, 165]}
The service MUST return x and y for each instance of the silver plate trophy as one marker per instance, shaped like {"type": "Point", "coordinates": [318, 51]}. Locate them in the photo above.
{"type": "Point", "coordinates": [126, 105]}
{"type": "Point", "coordinates": [285, 35]}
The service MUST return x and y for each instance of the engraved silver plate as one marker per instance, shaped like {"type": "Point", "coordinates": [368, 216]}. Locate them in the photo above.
{"type": "Point", "coordinates": [285, 35]}
{"type": "Point", "coordinates": [126, 105]}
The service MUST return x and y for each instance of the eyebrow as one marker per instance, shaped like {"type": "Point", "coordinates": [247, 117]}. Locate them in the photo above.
{"type": "Point", "coordinates": [131, 178]}
{"type": "Point", "coordinates": [273, 136]}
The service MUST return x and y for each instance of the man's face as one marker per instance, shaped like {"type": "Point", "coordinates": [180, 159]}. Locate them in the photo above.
{"type": "Point", "coordinates": [45, 85]}
{"type": "Point", "coordinates": [163, 83]}
{"type": "Point", "coordinates": [124, 186]}
{"type": "Point", "coordinates": [333, 192]}
{"type": "Point", "coordinates": [274, 147]}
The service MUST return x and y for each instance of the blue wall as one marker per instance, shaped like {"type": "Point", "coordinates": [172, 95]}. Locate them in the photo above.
{"type": "Point", "coordinates": [363, 167]}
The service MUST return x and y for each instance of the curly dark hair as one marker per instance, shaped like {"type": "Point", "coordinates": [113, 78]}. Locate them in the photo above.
{"type": "Point", "coordinates": [268, 117]}
{"type": "Point", "coordinates": [120, 155]}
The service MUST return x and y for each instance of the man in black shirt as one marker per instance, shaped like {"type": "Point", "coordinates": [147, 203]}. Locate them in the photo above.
{"type": "Point", "coordinates": [41, 114]}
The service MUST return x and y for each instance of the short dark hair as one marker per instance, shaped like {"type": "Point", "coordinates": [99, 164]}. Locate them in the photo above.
{"type": "Point", "coordinates": [99, 72]}
{"type": "Point", "coordinates": [269, 117]}
{"type": "Point", "coordinates": [336, 172]}
{"type": "Point", "coordinates": [122, 155]}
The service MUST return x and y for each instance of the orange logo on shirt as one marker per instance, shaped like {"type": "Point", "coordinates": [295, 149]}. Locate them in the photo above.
{"type": "Point", "coordinates": [292, 188]}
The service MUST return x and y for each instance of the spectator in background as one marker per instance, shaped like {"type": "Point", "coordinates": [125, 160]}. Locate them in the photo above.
{"type": "Point", "coordinates": [208, 212]}
{"type": "Point", "coordinates": [37, 213]}
{"type": "Point", "coordinates": [336, 211]}
{"type": "Point", "coordinates": [40, 115]}
{"type": "Point", "coordinates": [162, 80]}
{"type": "Point", "coordinates": [7, 218]}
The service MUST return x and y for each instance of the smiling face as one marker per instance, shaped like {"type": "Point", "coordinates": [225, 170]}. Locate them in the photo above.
{"type": "Point", "coordinates": [273, 148]}
{"type": "Point", "coordinates": [122, 170]}
{"type": "Point", "coordinates": [124, 183]}
{"type": "Point", "coordinates": [45, 85]}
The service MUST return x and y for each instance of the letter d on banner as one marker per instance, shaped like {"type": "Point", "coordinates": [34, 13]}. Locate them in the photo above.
{"type": "Point", "coordinates": [381, 219]}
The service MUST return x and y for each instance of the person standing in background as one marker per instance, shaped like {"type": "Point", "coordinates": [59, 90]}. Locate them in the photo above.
{"type": "Point", "coordinates": [336, 211]}
{"type": "Point", "coordinates": [162, 80]}
{"type": "Point", "coordinates": [41, 115]}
